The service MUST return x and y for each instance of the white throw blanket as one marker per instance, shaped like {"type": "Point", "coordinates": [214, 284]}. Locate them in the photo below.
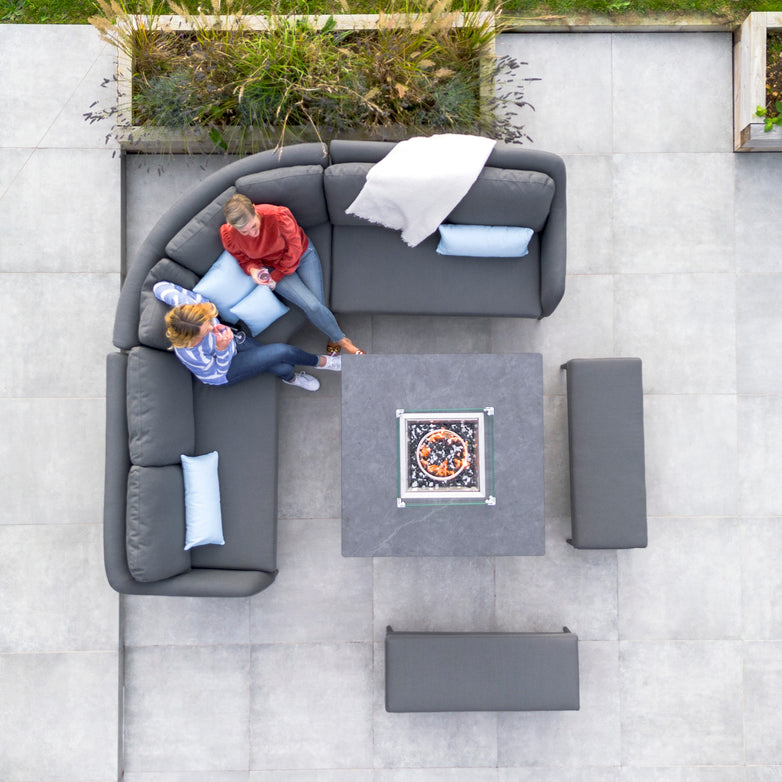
{"type": "Point", "coordinates": [415, 186]}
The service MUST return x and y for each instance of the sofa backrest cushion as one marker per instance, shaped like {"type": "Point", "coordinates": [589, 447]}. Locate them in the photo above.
{"type": "Point", "coordinates": [198, 244]}
{"type": "Point", "coordinates": [300, 188]}
{"type": "Point", "coordinates": [342, 183]}
{"type": "Point", "coordinates": [499, 196]}
{"type": "Point", "coordinates": [503, 196]}
{"type": "Point", "coordinates": [152, 312]}
{"type": "Point", "coordinates": [160, 408]}
{"type": "Point", "coordinates": [155, 523]}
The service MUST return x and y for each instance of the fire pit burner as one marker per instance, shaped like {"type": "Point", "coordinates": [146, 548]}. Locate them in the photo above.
{"type": "Point", "coordinates": [442, 456]}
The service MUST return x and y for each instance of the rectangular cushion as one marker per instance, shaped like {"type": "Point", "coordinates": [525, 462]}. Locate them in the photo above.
{"type": "Point", "coordinates": [151, 324]}
{"type": "Point", "coordinates": [606, 443]}
{"type": "Point", "coordinates": [373, 270]}
{"type": "Point", "coordinates": [198, 244]}
{"type": "Point", "coordinates": [481, 671]}
{"type": "Point", "coordinates": [155, 523]}
{"type": "Point", "coordinates": [299, 188]}
{"type": "Point", "coordinates": [160, 408]}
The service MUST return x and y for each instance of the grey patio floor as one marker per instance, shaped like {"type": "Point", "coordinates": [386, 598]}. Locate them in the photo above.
{"type": "Point", "coordinates": [674, 257]}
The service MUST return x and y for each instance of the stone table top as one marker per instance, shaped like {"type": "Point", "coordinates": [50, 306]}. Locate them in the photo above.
{"type": "Point", "coordinates": [374, 387]}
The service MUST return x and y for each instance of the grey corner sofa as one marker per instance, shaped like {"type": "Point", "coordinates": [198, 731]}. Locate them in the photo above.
{"type": "Point", "coordinates": [156, 411]}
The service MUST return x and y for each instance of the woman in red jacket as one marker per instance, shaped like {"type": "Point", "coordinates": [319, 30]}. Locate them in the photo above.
{"type": "Point", "coordinates": [273, 249]}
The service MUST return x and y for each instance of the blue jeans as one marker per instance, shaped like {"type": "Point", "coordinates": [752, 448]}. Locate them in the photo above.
{"type": "Point", "coordinates": [304, 288]}
{"type": "Point", "coordinates": [252, 358]}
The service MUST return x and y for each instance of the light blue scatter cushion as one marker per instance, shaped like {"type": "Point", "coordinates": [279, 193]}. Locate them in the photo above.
{"type": "Point", "coordinates": [203, 516]}
{"type": "Point", "coordinates": [225, 284]}
{"type": "Point", "coordinates": [259, 309]}
{"type": "Point", "coordinates": [484, 241]}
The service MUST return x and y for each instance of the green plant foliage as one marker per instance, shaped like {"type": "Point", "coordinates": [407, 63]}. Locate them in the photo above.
{"type": "Point", "coordinates": [425, 76]}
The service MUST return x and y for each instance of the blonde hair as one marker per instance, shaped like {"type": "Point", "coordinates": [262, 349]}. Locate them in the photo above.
{"type": "Point", "coordinates": [238, 210]}
{"type": "Point", "coordinates": [183, 323]}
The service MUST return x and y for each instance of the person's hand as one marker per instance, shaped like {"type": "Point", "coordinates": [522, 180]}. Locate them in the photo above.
{"type": "Point", "coordinates": [262, 276]}
{"type": "Point", "coordinates": [223, 336]}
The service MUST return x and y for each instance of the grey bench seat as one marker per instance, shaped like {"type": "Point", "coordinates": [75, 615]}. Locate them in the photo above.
{"type": "Point", "coordinates": [606, 442]}
{"type": "Point", "coordinates": [481, 671]}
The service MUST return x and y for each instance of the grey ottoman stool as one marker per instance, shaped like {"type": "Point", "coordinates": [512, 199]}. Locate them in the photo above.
{"type": "Point", "coordinates": [606, 440]}
{"type": "Point", "coordinates": [481, 671]}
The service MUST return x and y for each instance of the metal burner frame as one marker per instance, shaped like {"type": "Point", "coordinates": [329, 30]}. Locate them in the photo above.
{"type": "Point", "coordinates": [482, 493]}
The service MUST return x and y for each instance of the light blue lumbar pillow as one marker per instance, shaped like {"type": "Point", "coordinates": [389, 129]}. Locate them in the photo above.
{"type": "Point", "coordinates": [225, 284]}
{"type": "Point", "coordinates": [484, 241]}
{"type": "Point", "coordinates": [259, 309]}
{"type": "Point", "coordinates": [203, 516]}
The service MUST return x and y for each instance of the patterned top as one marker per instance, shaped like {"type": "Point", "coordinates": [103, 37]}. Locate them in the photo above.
{"type": "Point", "coordinates": [205, 361]}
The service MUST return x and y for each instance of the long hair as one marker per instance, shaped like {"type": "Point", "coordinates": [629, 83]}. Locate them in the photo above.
{"type": "Point", "coordinates": [183, 323]}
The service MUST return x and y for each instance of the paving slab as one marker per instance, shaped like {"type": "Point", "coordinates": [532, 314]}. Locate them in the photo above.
{"type": "Point", "coordinates": [761, 579]}
{"type": "Point", "coordinates": [62, 601]}
{"type": "Point", "coordinates": [318, 596]}
{"type": "Point", "coordinates": [758, 348]}
{"type": "Point", "coordinates": [690, 441]}
{"type": "Point", "coordinates": [46, 70]}
{"type": "Point", "coordinates": [67, 436]}
{"type": "Point", "coordinates": [672, 92]}
{"type": "Point", "coordinates": [690, 557]}
{"type": "Point", "coordinates": [588, 737]}
{"type": "Point", "coordinates": [70, 360]}
{"type": "Point", "coordinates": [760, 424]}
{"type": "Point", "coordinates": [187, 708]}
{"type": "Point", "coordinates": [683, 327]}
{"type": "Point", "coordinates": [673, 213]}
{"type": "Point", "coordinates": [311, 706]}
{"type": "Point", "coordinates": [56, 213]}
{"type": "Point", "coordinates": [758, 212]}
{"type": "Point", "coordinates": [59, 716]}
{"type": "Point", "coordinates": [572, 100]}
{"type": "Point", "coordinates": [690, 711]}
{"type": "Point", "coordinates": [585, 597]}
{"type": "Point", "coordinates": [417, 594]}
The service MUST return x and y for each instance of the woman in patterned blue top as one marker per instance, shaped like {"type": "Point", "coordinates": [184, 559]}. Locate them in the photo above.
{"type": "Point", "coordinates": [216, 356]}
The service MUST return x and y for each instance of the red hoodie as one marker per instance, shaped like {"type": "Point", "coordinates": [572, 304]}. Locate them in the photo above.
{"type": "Point", "coordinates": [279, 245]}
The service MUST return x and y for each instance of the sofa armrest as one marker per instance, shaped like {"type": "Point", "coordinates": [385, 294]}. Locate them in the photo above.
{"type": "Point", "coordinates": [205, 582]}
{"type": "Point", "coordinates": [553, 253]}
{"type": "Point", "coordinates": [553, 238]}
{"type": "Point", "coordinates": [116, 473]}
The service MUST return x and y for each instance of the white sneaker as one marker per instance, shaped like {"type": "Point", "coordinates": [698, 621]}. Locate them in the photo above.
{"type": "Point", "coordinates": [303, 380]}
{"type": "Point", "coordinates": [332, 363]}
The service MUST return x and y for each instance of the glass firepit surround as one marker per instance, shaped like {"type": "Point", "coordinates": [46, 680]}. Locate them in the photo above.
{"type": "Point", "coordinates": [446, 457]}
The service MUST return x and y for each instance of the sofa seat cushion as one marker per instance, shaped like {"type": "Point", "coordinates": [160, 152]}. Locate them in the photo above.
{"type": "Point", "coordinates": [299, 188]}
{"type": "Point", "coordinates": [198, 243]}
{"type": "Point", "coordinates": [160, 408]}
{"type": "Point", "coordinates": [374, 271]}
{"type": "Point", "coordinates": [497, 197]}
{"type": "Point", "coordinates": [240, 423]}
{"type": "Point", "coordinates": [155, 523]}
{"type": "Point", "coordinates": [152, 312]}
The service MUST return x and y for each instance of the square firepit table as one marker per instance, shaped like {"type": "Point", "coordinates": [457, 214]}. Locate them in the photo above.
{"type": "Point", "coordinates": [442, 455]}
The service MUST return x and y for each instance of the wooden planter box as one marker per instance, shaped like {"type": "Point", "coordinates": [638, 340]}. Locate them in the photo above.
{"type": "Point", "coordinates": [157, 139]}
{"type": "Point", "coordinates": [749, 84]}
